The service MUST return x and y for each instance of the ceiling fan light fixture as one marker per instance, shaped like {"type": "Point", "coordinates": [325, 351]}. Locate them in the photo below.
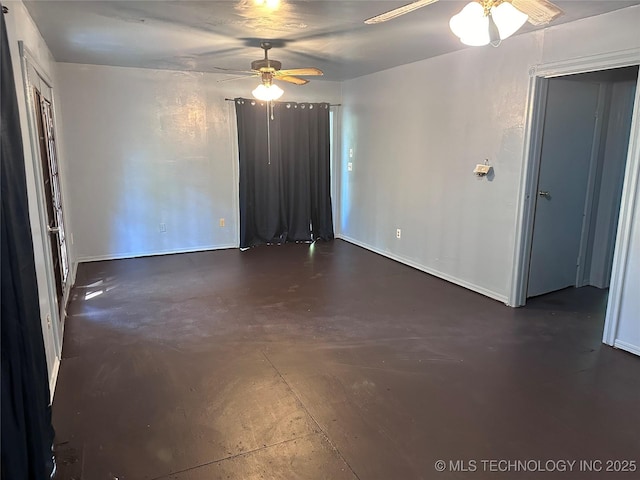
{"type": "Point", "coordinates": [270, 4]}
{"type": "Point", "coordinates": [267, 93]}
{"type": "Point", "coordinates": [472, 24]}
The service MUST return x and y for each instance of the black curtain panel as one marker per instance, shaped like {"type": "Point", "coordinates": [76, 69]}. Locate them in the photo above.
{"type": "Point", "coordinates": [27, 434]}
{"type": "Point", "coordinates": [319, 168]}
{"type": "Point", "coordinates": [262, 216]}
{"type": "Point", "coordinates": [285, 185]}
{"type": "Point", "coordinates": [292, 142]}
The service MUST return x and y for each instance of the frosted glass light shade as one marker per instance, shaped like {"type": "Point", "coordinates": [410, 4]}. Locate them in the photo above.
{"type": "Point", "coordinates": [472, 25]}
{"type": "Point", "coordinates": [508, 19]}
{"type": "Point", "coordinates": [267, 93]}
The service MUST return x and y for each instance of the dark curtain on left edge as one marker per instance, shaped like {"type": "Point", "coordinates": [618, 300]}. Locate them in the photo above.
{"type": "Point", "coordinates": [27, 434]}
{"type": "Point", "coordinates": [285, 185]}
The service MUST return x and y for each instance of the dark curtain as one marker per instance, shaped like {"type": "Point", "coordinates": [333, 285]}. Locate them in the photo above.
{"type": "Point", "coordinates": [27, 434]}
{"type": "Point", "coordinates": [285, 184]}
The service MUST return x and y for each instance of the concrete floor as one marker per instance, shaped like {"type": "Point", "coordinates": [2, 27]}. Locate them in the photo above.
{"type": "Point", "coordinates": [331, 362]}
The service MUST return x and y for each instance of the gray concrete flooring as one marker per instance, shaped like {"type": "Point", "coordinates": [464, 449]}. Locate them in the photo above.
{"type": "Point", "coordinates": [331, 362]}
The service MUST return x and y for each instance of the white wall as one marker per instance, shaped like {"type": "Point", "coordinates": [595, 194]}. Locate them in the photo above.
{"type": "Point", "coordinates": [417, 132]}
{"type": "Point", "coordinates": [611, 32]}
{"type": "Point", "coordinates": [20, 27]}
{"type": "Point", "coordinates": [150, 147]}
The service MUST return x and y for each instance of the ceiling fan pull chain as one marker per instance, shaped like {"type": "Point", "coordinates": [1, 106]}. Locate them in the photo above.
{"type": "Point", "coordinates": [268, 136]}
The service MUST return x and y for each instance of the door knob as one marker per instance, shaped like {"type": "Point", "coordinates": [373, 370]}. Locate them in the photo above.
{"type": "Point", "coordinates": [546, 195]}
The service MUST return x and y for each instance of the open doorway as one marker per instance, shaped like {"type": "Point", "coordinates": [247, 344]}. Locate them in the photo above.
{"type": "Point", "coordinates": [584, 143]}
{"type": "Point", "coordinates": [593, 265]}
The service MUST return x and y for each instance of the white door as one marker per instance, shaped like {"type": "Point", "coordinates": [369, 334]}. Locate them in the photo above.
{"type": "Point", "coordinates": [569, 127]}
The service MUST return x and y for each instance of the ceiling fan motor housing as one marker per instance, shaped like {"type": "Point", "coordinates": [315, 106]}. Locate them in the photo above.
{"type": "Point", "coordinates": [266, 63]}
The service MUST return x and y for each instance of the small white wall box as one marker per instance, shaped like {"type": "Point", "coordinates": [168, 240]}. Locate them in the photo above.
{"type": "Point", "coordinates": [482, 169]}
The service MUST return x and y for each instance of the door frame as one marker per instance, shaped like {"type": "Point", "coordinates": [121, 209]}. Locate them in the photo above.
{"type": "Point", "coordinates": [57, 311]}
{"type": "Point", "coordinates": [587, 202]}
{"type": "Point", "coordinates": [539, 76]}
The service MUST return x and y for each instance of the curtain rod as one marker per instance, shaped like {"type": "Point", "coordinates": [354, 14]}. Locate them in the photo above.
{"type": "Point", "coordinates": [331, 104]}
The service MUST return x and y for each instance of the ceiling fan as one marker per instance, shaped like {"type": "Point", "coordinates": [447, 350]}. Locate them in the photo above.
{"type": "Point", "coordinates": [540, 12]}
{"type": "Point", "coordinates": [486, 21]}
{"type": "Point", "coordinates": [269, 70]}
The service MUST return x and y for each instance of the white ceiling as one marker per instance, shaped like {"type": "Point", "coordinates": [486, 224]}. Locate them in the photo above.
{"type": "Point", "coordinates": [198, 35]}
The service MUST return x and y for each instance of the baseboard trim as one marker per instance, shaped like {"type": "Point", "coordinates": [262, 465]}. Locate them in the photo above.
{"type": "Point", "coordinates": [122, 256]}
{"type": "Point", "coordinates": [436, 273]}
{"type": "Point", "coordinates": [635, 349]}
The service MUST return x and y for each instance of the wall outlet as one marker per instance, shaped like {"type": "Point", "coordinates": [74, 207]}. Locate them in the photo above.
{"type": "Point", "coordinates": [398, 233]}
{"type": "Point", "coordinates": [221, 222]}
{"type": "Point", "coordinates": [163, 227]}
{"type": "Point", "coordinates": [349, 167]}
{"type": "Point", "coordinates": [482, 170]}
{"type": "Point", "coordinates": [351, 153]}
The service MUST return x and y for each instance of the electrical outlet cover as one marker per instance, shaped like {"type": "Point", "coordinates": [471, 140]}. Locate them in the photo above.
{"type": "Point", "coordinates": [482, 170]}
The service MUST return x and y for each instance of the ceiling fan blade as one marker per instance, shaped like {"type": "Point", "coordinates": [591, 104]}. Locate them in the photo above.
{"type": "Point", "coordinates": [290, 79]}
{"type": "Point", "coordinates": [310, 71]}
{"type": "Point", "coordinates": [241, 77]}
{"type": "Point", "coordinates": [540, 12]}
{"type": "Point", "coordinates": [233, 70]}
{"type": "Point", "coordinates": [396, 12]}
